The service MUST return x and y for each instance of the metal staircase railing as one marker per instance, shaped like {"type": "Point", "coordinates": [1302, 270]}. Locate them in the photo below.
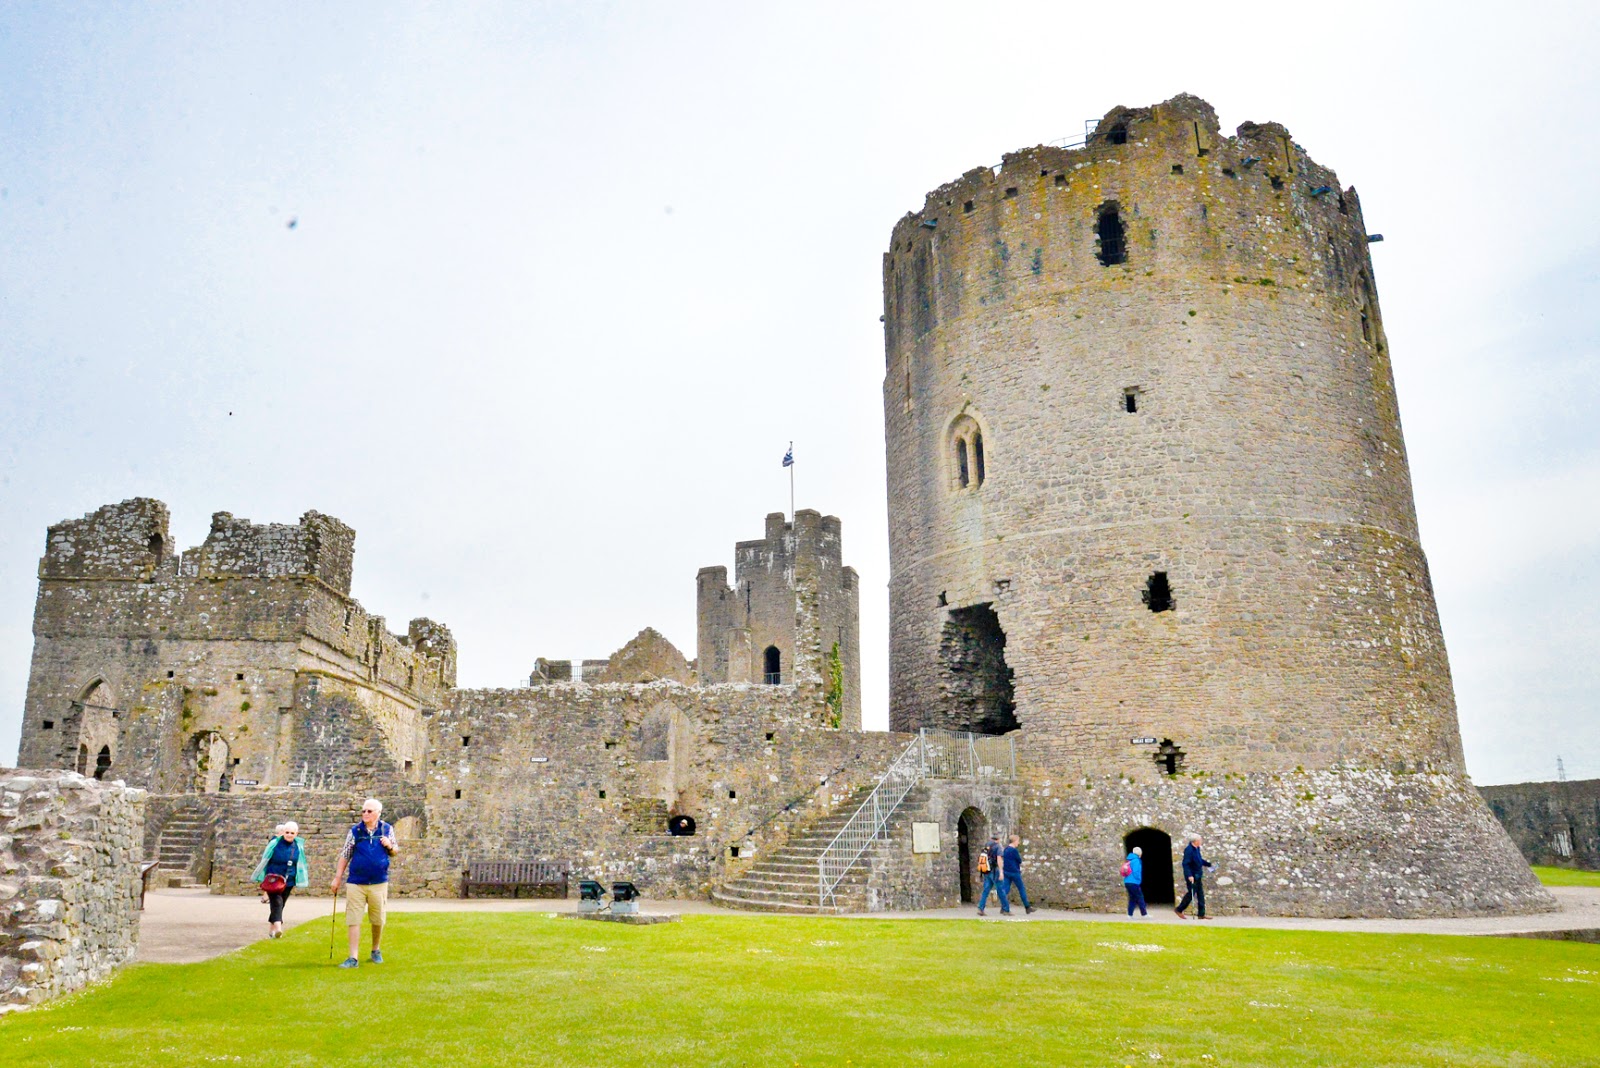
{"type": "Point", "coordinates": [931, 755]}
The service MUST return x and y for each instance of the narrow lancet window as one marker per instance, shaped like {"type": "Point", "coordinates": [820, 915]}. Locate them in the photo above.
{"type": "Point", "coordinates": [977, 455]}
{"type": "Point", "coordinates": [961, 463]}
{"type": "Point", "coordinates": [1113, 243]}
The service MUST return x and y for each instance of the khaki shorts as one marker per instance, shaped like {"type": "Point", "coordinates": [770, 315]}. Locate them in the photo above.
{"type": "Point", "coordinates": [361, 899]}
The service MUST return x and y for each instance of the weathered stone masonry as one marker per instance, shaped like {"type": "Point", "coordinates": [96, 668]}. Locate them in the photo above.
{"type": "Point", "coordinates": [1149, 505]}
{"type": "Point", "coordinates": [69, 882]}
{"type": "Point", "coordinates": [1552, 822]}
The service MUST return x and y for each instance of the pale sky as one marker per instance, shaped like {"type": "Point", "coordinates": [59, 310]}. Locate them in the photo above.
{"type": "Point", "coordinates": [566, 278]}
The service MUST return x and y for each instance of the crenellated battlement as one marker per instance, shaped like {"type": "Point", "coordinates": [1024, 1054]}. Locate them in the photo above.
{"type": "Point", "coordinates": [319, 547]}
{"type": "Point", "coordinates": [126, 542]}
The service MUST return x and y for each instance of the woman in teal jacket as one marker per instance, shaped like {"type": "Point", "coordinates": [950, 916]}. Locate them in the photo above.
{"type": "Point", "coordinates": [1133, 881]}
{"type": "Point", "coordinates": [285, 857]}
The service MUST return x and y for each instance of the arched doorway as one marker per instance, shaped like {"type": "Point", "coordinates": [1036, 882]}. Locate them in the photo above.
{"type": "Point", "coordinates": [102, 763]}
{"type": "Point", "coordinates": [1156, 847]}
{"type": "Point", "coordinates": [772, 666]}
{"type": "Point", "coordinates": [972, 832]}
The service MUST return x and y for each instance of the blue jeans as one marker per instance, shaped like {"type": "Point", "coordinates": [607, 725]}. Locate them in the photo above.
{"type": "Point", "coordinates": [991, 881]}
{"type": "Point", "coordinates": [1135, 898]}
{"type": "Point", "coordinates": [1022, 892]}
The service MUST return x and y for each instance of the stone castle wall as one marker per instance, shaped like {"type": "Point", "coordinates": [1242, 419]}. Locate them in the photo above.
{"type": "Point", "coordinates": [69, 882]}
{"type": "Point", "coordinates": [1554, 823]}
{"type": "Point", "coordinates": [590, 775]}
{"type": "Point", "coordinates": [244, 659]}
{"type": "Point", "coordinates": [1261, 471]}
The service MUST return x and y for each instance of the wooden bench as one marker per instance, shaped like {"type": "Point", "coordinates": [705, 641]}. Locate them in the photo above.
{"type": "Point", "coordinates": [537, 874]}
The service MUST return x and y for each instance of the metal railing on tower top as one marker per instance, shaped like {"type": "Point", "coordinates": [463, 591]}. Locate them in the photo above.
{"type": "Point", "coordinates": [931, 755]}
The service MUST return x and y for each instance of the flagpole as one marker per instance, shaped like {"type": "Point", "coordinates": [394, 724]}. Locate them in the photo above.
{"type": "Point", "coordinates": [791, 482]}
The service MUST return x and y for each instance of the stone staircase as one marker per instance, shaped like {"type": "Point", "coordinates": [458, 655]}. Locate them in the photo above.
{"type": "Point", "coordinates": [786, 879]}
{"type": "Point", "coordinates": [176, 848]}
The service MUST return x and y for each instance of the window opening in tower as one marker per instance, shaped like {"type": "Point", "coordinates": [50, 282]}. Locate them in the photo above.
{"type": "Point", "coordinates": [1158, 593]}
{"type": "Point", "coordinates": [1118, 134]}
{"type": "Point", "coordinates": [1113, 245]}
{"type": "Point", "coordinates": [977, 455]}
{"type": "Point", "coordinates": [961, 462]}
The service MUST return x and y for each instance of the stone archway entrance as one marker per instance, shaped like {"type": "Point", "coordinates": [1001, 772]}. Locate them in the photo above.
{"type": "Point", "coordinates": [972, 832]}
{"type": "Point", "coordinates": [1156, 846]}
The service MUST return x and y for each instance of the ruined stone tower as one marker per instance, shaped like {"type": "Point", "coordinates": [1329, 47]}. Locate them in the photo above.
{"type": "Point", "coordinates": [791, 616]}
{"type": "Point", "coordinates": [1148, 496]}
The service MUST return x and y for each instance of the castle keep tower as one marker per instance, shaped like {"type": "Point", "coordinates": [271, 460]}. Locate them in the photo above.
{"type": "Point", "coordinates": [1148, 495]}
{"type": "Point", "coordinates": [791, 616]}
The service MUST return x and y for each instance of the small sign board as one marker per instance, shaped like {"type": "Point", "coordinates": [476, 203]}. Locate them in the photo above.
{"type": "Point", "coordinates": [246, 782]}
{"type": "Point", "coordinates": [1141, 741]}
{"type": "Point", "coordinates": [297, 786]}
{"type": "Point", "coordinates": [924, 838]}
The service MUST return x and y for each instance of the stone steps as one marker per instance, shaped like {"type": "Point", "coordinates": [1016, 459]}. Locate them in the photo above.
{"type": "Point", "coordinates": [175, 848]}
{"type": "Point", "coordinates": [786, 880]}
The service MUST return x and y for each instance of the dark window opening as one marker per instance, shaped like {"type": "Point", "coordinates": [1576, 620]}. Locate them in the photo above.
{"type": "Point", "coordinates": [1061, 179]}
{"type": "Point", "coordinates": [1045, 173]}
{"type": "Point", "coordinates": [102, 763]}
{"type": "Point", "coordinates": [772, 666]}
{"type": "Point", "coordinates": [1277, 183]}
{"type": "Point", "coordinates": [169, 674]}
{"type": "Point", "coordinates": [733, 851]}
{"type": "Point", "coordinates": [238, 676]}
{"type": "Point", "coordinates": [1366, 327]}
{"type": "Point", "coordinates": [975, 682]}
{"type": "Point", "coordinates": [961, 463]}
{"type": "Point", "coordinates": [458, 795]}
{"type": "Point", "coordinates": [49, 724]}
{"type": "Point", "coordinates": [155, 545]}
{"type": "Point", "coordinates": [681, 826]}
{"type": "Point", "coordinates": [770, 735]}
{"type": "Point", "coordinates": [1227, 172]}
{"type": "Point", "coordinates": [408, 765]}
{"type": "Point", "coordinates": [1158, 593]}
{"type": "Point", "coordinates": [733, 795]}
{"type": "Point", "coordinates": [235, 761]}
{"type": "Point", "coordinates": [1118, 134]}
{"type": "Point", "coordinates": [1130, 399]}
{"type": "Point", "coordinates": [611, 745]}
{"type": "Point", "coordinates": [1011, 191]}
{"type": "Point", "coordinates": [967, 206]}
{"type": "Point", "coordinates": [466, 740]}
{"type": "Point", "coordinates": [977, 455]}
{"type": "Point", "coordinates": [1155, 849]}
{"type": "Point", "coordinates": [1169, 758]}
{"type": "Point", "coordinates": [1343, 208]}
{"type": "Point", "coordinates": [1113, 246]}
{"type": "Point", "coordinates": [1177, 168]}
{"type": "Point", "coordinates": [602, 795]}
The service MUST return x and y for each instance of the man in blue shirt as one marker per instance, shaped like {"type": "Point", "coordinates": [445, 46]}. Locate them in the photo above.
{"type": "Point", "coordinates": [1011, 860]}
{"type": "Point", "coordinates": [366, 853]}
{"type": "Point", "coordinates": [1194, 876]}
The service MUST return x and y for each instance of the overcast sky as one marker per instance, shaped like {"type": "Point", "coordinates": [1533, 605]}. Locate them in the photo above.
{"type": "Point", "coordinates": [564, 279]}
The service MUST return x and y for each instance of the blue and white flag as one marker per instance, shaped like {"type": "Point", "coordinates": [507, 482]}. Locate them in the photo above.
{"type": "Point", "coordinates": [788, 457]}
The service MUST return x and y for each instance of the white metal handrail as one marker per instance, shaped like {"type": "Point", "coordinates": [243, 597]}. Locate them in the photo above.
{"type": "Point", "coordinates": [931, 755]}
{"type": "Point", "coordinates": [866, 826]}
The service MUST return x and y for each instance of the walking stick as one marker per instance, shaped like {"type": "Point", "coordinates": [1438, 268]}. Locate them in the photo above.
{"type": "Point", "coordinates": [333, 927]}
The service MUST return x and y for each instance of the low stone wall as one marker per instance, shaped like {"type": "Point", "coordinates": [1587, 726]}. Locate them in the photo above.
{"type": "Point", "coordinates": [1556, 823]}
{"type": "Point", "coordinates": [1351, 842]}
{"type": "Point", "coordinates": [69, 882]}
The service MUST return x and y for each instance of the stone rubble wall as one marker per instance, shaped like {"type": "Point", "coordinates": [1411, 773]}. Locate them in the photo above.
{"type": "Point", "coordinates": [1333, 843]}
{"type": "Point", "coordinates": [69, 882]}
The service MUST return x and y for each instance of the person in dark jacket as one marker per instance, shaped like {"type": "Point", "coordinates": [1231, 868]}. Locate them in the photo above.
{"type": "Point", "coordinates": [1134, 882]}
{"type": "Point", "coordinates": [992, 879]}
{"type": "Point", "coordinates": [1194, 878]}
{"type": "Point", "coordinates": [366, 853]}
{"type": "Point", "coordinates": [1011, 862]}
{"type": "Point", "coordinates": [284, 857]}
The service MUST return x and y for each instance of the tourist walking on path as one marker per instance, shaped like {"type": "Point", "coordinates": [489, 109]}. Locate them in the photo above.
{"type": "Point", "coordinates": [366, 853]}
{"type": "Point", "coordinates": [1194, 878]}
{"type": "Point", "coordinates": [1133, 881]}
{"type": "Point", "coordinates": [281, 869]}
{"type": "Point", "coordinates": [989, 868]}
{"type": "Point", "coordinates": [1011, 861]}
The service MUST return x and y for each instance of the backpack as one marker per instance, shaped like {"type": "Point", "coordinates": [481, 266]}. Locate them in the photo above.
{"type": "Point", "coordinates": [1127, 869]}
{"type": "Point", "coordinates": [983, 863]}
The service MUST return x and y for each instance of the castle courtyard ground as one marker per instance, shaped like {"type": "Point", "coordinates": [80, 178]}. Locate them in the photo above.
{"type": "Point", "coordinates": [185, 926]}
{"type": "Point", "coordinates": [510, 983]}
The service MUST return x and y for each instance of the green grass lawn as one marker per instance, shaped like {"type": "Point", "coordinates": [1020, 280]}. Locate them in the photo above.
{"type": "Point", "coordinates": [1566, 876]}
{"type": "Point", "coordinates": [467, 989]}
